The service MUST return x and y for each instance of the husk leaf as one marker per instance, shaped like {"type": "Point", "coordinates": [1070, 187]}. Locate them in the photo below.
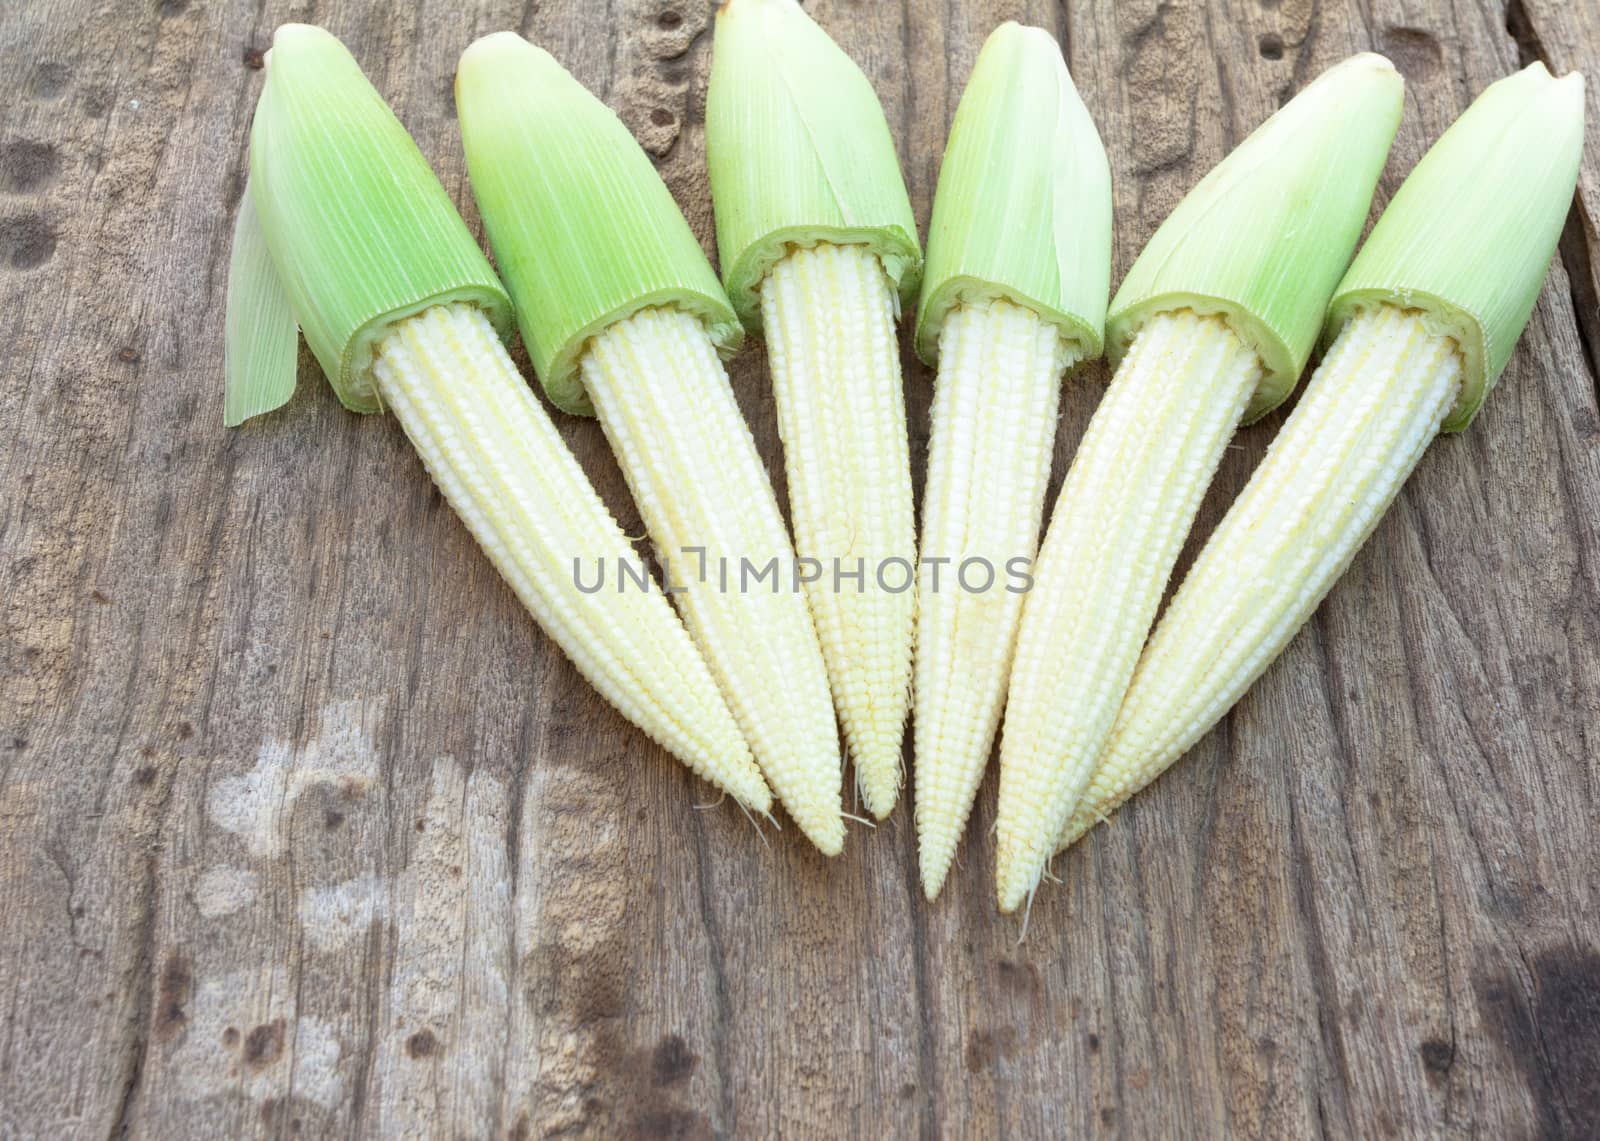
{"type": "Point", "coordinates": [583, 229]}
{"type": "Point", "coordinates": [1470, 233]}
{"type": "Point", "coordinates": [799, 152]}
{"type": "Point", "coordinates": [1263, 238]}
{"type": "Point", "coordinates": [360, 230]}
{"type": "Point", "coordinates": [1023, 205]}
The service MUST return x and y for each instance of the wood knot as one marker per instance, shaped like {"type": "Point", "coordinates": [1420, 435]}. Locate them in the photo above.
{"type": "Point", "coordinates": [264, 1044]}
{"type": "Point", "coordinates": [422, 1044]}
{"type": "Point", "coordinates": [26, 241]}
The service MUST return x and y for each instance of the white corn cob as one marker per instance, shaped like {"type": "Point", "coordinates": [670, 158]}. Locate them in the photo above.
{"type": "Point", "coordinates": [1374, 404]}
{"type": "Point", "coordinates": [667, 408]}
{"type": "Point", "coordinates": [1119, 523]}
{"type": "Point", "coordinates": [829, 314]}
{"type": "Point", "coordinates": [994, 423]}
{"type": "Point", "coordinates": [499, 461]}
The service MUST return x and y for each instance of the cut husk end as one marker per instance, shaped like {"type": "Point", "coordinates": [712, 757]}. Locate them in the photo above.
{"type": "Point", "coordinates": [584, 230]}
{"type": "Point", "coordinates": [355, 385]}
{"type": "Point", "coordinates": [1084, 339]}
{"type": "Point", "coordinates": [799, 152]}
{"type": "Point", "coordinates": [1440, 317]}
{"type": "Point", "coordinates": [1469, 236]}
{"type": "Point", "coordinates": [897, 252]}
{"type": "Point", "coordinates": [359, 230]}
{"type": "Point", "coordinates": [563, 375]}
{"type": "Point", "coordinates": [1280, 366]}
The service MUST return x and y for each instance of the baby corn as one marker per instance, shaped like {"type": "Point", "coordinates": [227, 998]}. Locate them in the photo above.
{"type": "Point", "coordinates": [346, 231]}
{"type": "Point", "coordinates": [1205, 334]}
{"type": "Point", "coordinates": [625, 319]}
{"type": "Point", "coordinates": [819, 247]}
{"type": "Point", "coordinates": [1425, 320]}
{"type": "Point", "coordinates": [1019, 262]}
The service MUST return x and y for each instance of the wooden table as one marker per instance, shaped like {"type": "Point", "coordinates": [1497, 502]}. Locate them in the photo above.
{"type": "Point", "coordinates": [306, 830]}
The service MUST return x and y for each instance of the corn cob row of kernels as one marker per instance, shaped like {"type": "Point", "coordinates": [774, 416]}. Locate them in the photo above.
{"type": "Point", "coordinates": [664, 400]}
{"type": "Point", "coordinates": [829, 316]}
{"type": "Point", "coordinates": [994, 423]}
{"type": "Point", "coordinates": [1372, 407]}
{"type": "Point", "coordinates": [1126, 505]}
{"type": "Point", "coordinates": [500, 463]}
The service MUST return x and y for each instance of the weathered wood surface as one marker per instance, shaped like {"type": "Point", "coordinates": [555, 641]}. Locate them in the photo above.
{"type": "Point", "coordinates": [306, 830]}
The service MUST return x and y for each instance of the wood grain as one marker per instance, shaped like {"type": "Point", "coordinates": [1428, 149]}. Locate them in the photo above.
{"type": "Point", "coordinates": [305, 829]}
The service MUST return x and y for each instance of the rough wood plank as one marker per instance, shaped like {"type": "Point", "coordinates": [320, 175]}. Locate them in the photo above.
{"type": "Point", "coordinates": [305, 828]}
{"type": "Point", "coordinates": [1567, 38]}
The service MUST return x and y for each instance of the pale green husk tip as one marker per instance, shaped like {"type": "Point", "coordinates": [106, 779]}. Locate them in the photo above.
{"type": "Point", "coordinates": [1023, 206]}
{"type": "Point", "coordinates": [1263, 238]}
{"type": "Point", "coordinates": [260, 335]}
{"type": "Point", "coordinates": [356, 227]}
{"type": "Point", "coordinates": [799, 152]}
{"type": "Point", "coordinates": [1470, 233]}
{"type": "Point", "coordinates": [583, 229]}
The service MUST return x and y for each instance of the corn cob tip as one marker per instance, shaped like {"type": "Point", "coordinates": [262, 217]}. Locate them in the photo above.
{"type": "Point", "coordinates": [824, 830]}
{"type": "Point", "coordinates": [1075, 830]}
{"type": "Point", "coordinates": [879, 794]}
{"type": "Point", "coordinates": [934, 868]}
{"type": "Point", "coordinates": [1018, 875]}
{"type": "Point", "coordinates": [752, 790]}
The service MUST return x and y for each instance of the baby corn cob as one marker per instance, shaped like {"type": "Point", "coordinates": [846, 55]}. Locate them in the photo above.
{"type": "Point", "coordinates": [1426, 319]}
{"type": "Point", "coordinates": [1371, 408]}
{"type": "Point", "coordinates": [624, 318]}
{"type": "Point", "coordinates": [1195, 361]}
{"type": "Point", "coordinates": [1019, 262]}
{"type": "Point", "coordinates": [994, 415]}
{"type": "Point", "coordinates": [669, 412]}
{"type": "Point", "coordinates": [358, 242]}
{"type": "Point", "coordinates": [502, 465]}
{"type": "Point", "coordinates": [819, 246]}
{"type": "Point", "coordinates": [829, 314]}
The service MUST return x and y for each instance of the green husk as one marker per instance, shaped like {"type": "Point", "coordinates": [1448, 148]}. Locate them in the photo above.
{"type": "Point", "coordinates": [359, 229]}
{"type": "Point", "coordinates": [799, 152]}
{"type": "Point", "coordinates": [260, 335]}
{"type": "Point", "coordinates": [1469, 235]}
{"type": "Point", "coordinates": [582, 227]}
{"type": "Point", "coordinates": [1263, 238]}
{"type": "Point", "coordinates": [1023, 206]}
